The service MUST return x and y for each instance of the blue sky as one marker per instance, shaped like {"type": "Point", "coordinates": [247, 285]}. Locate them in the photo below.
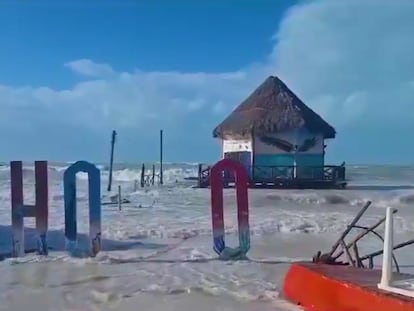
{"type": "Point", "coordinates": [71, 71]}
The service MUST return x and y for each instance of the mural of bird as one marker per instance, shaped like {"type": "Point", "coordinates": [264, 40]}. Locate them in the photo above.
{"type": "Point", "coordinates": [277, 142]}
{"type": "Point", "coordinates": [285, 145]}
{"type": "Point", "coordinates": [308, 144]}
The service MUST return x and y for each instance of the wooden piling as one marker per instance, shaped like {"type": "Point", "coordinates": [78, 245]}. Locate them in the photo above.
{"type": "Point", "coordinates": [200, 174]}
{"type": "Point", "coordinates": [119, 198]}
{"type": "Point", "coordinates": [161, 158]}
{"type": "Point", "coordinates": [111, 159]}
{"type": "Point", "coordinates": [143, 175]}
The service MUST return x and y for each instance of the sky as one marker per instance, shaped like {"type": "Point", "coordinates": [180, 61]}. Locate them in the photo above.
{"type": "Point", "coordinates": [72, 71]}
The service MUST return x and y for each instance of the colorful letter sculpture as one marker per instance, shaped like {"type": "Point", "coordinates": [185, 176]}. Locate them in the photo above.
{"type": "Point", "coordinates": [216, 176]}
{"type": "Point", "coordinates": [20, 211]}
{"type": "Point", "coordinates": [94, 181]}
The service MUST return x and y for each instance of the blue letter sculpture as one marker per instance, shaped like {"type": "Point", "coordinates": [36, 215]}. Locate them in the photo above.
{"type": "Point", "coordinates": [69, 181]}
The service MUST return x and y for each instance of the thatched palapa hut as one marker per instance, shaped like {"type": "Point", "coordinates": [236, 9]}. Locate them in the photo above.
{"type": "Point", "coordinates": [274, 128]}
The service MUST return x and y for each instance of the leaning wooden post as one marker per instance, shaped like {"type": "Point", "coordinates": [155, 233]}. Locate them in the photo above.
{"type": "Point", "coordinates": [349, 228]}
{"type": "Point", "coordinates": [161, 157]}
{"type": "Point", "coordinates": [143, 175]}
{"type": "Point", "coordinates": [111, 160]}
{"type": "Point", "coordinates": [362, 234]}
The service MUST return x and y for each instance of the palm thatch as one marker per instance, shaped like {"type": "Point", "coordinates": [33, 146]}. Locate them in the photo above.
{"type": "Point", "coordinates": [272, 108]}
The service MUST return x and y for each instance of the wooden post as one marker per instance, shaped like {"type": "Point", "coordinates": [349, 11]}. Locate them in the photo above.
{"type": "Point", "coordinates": [200, 174]}
{"type": "Point", "coordinates": [143, 175]}
{"type": "Point", "coordinates": [371, 262]}
{"type": "Point", "coordinates": [358, 260]}
{"type": "Point", "coordinates": [111, 160]}
{"type": "Point", "coordinates": [153, 174]}
{"type": "Point", "coordinates": [161, 157]}
{"type": "Point", "coordinates": [119, 198]}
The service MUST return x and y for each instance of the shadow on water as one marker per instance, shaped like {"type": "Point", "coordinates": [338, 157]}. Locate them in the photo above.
{"type": "Point", "coordinates": [56, 242]}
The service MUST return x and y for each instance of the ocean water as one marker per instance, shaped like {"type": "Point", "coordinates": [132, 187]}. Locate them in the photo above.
{"type": "Point", "coordinates": [158, 250]}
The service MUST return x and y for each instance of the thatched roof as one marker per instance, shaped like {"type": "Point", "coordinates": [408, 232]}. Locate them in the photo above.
{"type": "Point", "coordinates": [272, 108]}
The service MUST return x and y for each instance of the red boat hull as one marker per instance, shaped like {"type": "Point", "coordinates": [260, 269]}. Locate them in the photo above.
{"type": "Point", "coordinates": [320, 287]}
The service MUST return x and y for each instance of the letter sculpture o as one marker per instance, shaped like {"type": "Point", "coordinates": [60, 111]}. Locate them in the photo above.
{"type": "Point", "coordinates": [216, 185]}
{"type": "Point", "coordinates": [94, 181]}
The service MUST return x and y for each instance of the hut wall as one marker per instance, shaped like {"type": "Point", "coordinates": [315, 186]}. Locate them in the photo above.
{"type": "Point", "coordinates": [236, 145]}
{"type": "Point", "coordinates": [239, 150]}
{"type": "Point", "coordinates": [278, 150]}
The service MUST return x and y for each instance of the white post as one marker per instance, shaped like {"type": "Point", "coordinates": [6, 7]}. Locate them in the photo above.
{"type": "Point", "coordinates": [119, 198]}
{"type": "Point", "coordinates": [386, 277]}
{"type": "Point", "coordinates": [135, 185]}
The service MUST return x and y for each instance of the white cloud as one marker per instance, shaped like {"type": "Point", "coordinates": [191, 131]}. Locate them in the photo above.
{"type": "Point", "coordinates": [89, 68]}
{"type": "Point", "coordinates": [351, 61]}
{"type": "Point", "coordinates": [126, 100]}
